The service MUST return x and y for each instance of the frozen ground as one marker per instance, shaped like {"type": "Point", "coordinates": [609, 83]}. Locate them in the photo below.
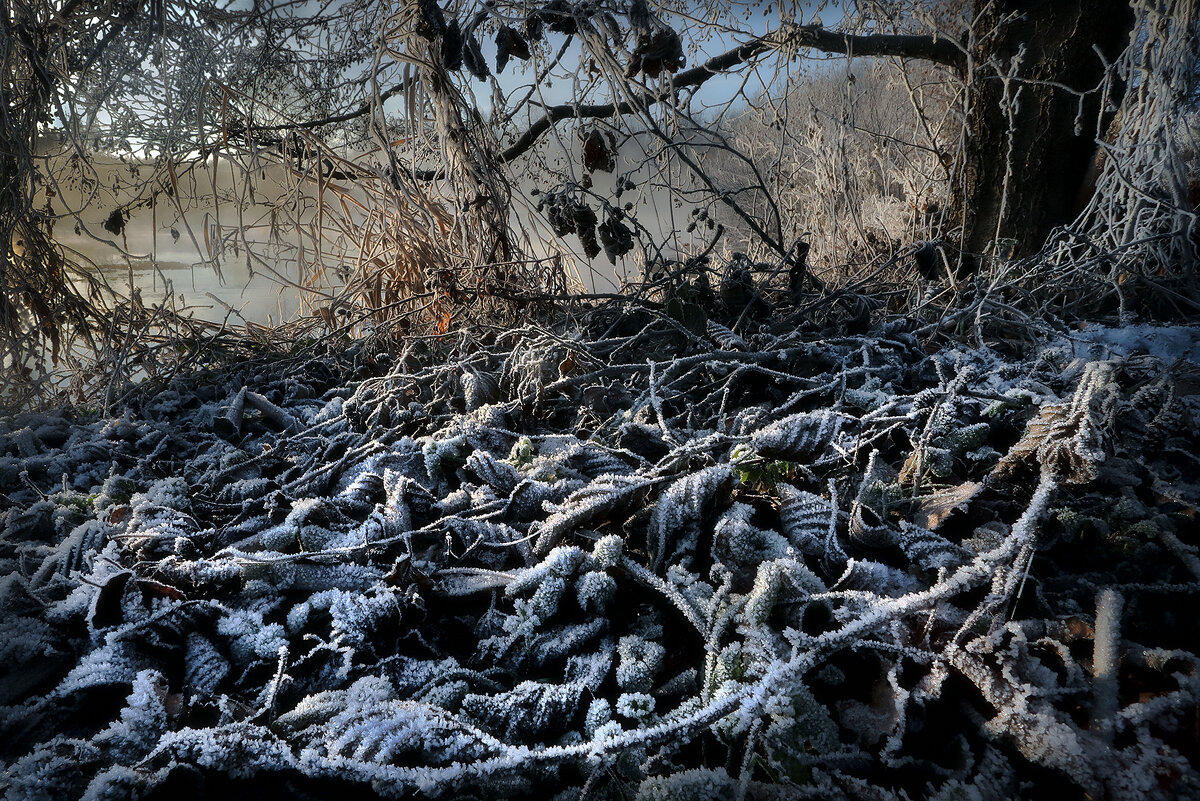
{"type": "Point", "coordinates": [614, 559]}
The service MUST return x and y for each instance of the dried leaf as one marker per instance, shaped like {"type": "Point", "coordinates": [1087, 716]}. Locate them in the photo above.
{"type": "Point", "coordinates": [615, 237]}
{"type": "Point", "coordinates": [599, 150]}
{"type": "Point", "coordinates": [510, 43]}
{"type": "Point", "coordinates": [681, 510]}
{"type": "Point", "coordinates": [467, 581]}
{"type": "Point", "coordinates": [805, 519]}
{"type": "Point", "coordinates": [161, 590]}
{"type": "Point", "coordinates": [1067, 438]}
{"type": "Point", "coordinates": [473, 58]}
{"type": "Point", "coordinates": [658, 50]}
{"type": "Point", "coordinates": [598, 499]}
{"type": "Point", "coordinates": [936, 508]}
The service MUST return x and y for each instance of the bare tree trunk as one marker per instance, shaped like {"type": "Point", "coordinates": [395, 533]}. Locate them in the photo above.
{"type": "Point", "coordinates": [1030, 138]}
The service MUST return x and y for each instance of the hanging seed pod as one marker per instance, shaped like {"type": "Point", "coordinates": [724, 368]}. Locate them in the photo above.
{"type": "Point", "coordinates": [657, 51]}
{"type": "Point", "coordinates": [509, 43]}
{"type": "Point", "coordinates": [473, 58]}
{"type": "Point", "coordinates": [430, 22]}
{"type": "Point", "coordinates": [616, 239]}
{"type": "Point", "coordinates": [599, 150]}
{"type": "Point", "coordinates": [452, 47]}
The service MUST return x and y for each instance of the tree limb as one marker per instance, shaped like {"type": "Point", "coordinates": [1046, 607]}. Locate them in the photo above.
{"type": "Point", "coordinates": [361, 110]}
{"type": "Point", "coordinates": [936, 49]}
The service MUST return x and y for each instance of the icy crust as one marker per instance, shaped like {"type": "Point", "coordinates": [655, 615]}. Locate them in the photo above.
{"type": "Point", "coordinates": [556, 563]}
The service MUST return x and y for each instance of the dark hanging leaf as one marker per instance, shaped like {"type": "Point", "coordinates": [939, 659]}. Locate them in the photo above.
{"type": "Point", "coordinates": [559, 16]}
{"type": "Point", "coordinates": [509, 43]}
{"type": "Point", "coordinates": [657, 51]}
{"type": "Point", "coordinates": [533, 27]}
{"type": "Point", "coordinates": [640, 18]}
{"type": "Point", "coordinates": [568, 215]}
{"type": "Point", "coordinates": [115, 224]}
{"type": "Point", "coordinates": [615, 237]}
{"type": "Point", "coordinates": [430, 21]}
{"type": "Point", "coordinates": [452, 47]}
{"type": "Point", "coordinates": [560, 212]}
{"type": "Point", "coordinates": [586, 231]}
{"type": "Point", "coordinates": [473, 58]}
{"type": "Point", "coordinates": [599, 150]}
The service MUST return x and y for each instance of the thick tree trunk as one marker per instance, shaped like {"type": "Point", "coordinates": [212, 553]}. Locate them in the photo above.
{"type": "Point", "coordinates": [1029, 141]}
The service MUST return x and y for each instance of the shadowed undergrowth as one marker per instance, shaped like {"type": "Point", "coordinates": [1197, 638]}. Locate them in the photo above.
{"type": "Point", "coordinates": [615, 554]}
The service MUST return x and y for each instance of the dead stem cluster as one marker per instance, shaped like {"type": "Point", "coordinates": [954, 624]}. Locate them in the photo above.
{"type": "Point", "coordinates": [614, 556]}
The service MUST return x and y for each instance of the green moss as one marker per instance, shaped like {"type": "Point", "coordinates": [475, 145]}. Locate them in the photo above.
{"type": "Point", "coordinates": [962, 440]}
{"type": "Point", "coordinates": [1145, 529]}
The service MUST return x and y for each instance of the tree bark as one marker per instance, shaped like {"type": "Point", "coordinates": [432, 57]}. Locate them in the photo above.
{"type": "Point", "coordinates": [1029, 140]}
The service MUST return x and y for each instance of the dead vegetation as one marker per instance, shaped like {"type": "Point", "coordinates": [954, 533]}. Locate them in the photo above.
{"type": "Point", "coordinates": [623, 555]}
{"type": "Point", "coordinates": [822, 503]}
{"type": "Point", "coordinates": [384, 196]}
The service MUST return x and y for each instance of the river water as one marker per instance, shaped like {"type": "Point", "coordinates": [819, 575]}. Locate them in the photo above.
{"type": "Point", "coordinates": [177, 247]}
{"type": "Point", "coordinates": [166, 247]}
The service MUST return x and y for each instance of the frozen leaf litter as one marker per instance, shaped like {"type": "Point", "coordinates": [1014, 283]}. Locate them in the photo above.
{"type": "Point", "coordinates": [613, 559]}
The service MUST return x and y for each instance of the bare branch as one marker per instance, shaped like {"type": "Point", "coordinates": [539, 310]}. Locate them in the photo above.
{"type": "Point", "coordinates": [937, 49]}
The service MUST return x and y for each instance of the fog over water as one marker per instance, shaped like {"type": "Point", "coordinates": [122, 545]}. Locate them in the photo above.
{"type": "Point", "coordinates": [160, 249]}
